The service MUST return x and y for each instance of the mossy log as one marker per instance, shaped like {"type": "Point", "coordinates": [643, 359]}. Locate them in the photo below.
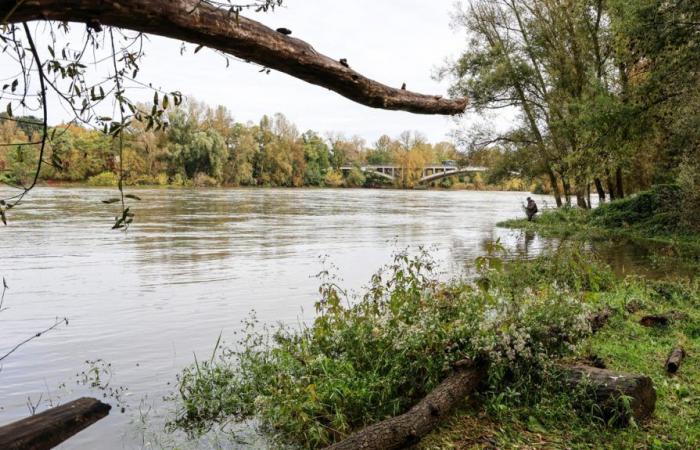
{"type": "Point", "coordinates": [609, 387]}
{"type": "Point", "coordinates": [53, 426]}
{"type": "Point", "coordinates": [409, 428]}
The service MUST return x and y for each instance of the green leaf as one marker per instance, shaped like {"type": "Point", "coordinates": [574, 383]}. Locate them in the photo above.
{"type": "Point", "coordinates": [111, 200]}
{"type": "Point", "coordinates": [132, 196]}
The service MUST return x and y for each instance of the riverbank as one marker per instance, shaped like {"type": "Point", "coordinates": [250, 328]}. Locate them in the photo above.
{"type": "Point", "coordinates": [113, 183]}
{"type": "Point", "coordinates": [652, 216]}
{"type": "Point", "coordinates": [360, 364]}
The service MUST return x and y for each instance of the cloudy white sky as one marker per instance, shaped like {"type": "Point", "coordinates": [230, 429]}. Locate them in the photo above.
{"type": "Point", "coordinates": [392, 41]}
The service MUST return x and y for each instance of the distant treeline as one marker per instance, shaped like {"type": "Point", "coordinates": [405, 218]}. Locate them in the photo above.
{"type": "Point", "coordinates": [205, 146]}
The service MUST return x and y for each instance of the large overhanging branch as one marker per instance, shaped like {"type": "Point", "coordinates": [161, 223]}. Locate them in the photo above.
{"type": "Point", "coordinates": [203, 24]}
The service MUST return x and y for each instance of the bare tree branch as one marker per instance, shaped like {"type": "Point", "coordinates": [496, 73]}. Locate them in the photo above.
{"type": "Point", "coordinates": [206, 24]}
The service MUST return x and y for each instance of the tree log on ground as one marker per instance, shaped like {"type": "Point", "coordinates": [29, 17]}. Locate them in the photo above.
{"type": "Point", "coordinates": [51, 427]}
{"type": "Point", "coordinates": [198, 22]}
{"type": "Point", "coordinates": [655, 321]}
{"type": "Point", "coordinates": [598, 319]}
{"type": "Point", "coordinates": [673, 363]}
{"type": "Point", "coordinates": [409, 428]}
{"type": "Point", "coordinates": [609, 386]}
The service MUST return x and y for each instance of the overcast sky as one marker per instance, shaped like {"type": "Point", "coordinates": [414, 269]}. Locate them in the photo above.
{"type": "Point", "coordinates": [392, 41]}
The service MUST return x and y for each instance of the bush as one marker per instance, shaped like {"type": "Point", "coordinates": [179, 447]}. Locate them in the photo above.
{"type": "Point", "coordinates": [367, 358]}
{"type": "Point", "coordinates": [180, 180]}
{"type": "Point", "coordinates": [655, 210]}
{"type": "Point", "coordinates": [356, 178]}
{"type": "Point", "coordinates": [204, 180]}
{"type": "Point", "coordinates": [333, 178]}
{"type": "Point", "coordinates": [104, 179]}
{"type": "Point", "coordinates": [689, 184]}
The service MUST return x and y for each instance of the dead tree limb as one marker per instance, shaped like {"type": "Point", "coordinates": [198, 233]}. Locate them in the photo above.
{"type": "Point", "coordinates": [204, 24]}
{"type": "Point", "coordinates": [51, 427]}
{"type": "Point", "coordinates": [408, 428]}
{"type": "Point", "coordinates": [610, 386]}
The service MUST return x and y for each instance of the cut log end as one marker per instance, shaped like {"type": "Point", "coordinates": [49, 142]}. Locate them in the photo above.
{"type": "Point", "coordinates": [673, 363]}
{"type": "Point", "coordinates": [609, 387]}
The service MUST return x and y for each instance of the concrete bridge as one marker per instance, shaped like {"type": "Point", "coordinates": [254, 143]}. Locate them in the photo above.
{"type": "Point", "coordinates": [428, 173]}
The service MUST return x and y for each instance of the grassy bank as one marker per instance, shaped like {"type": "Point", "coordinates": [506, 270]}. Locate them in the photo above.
{"type": "Point", "coordinates": [555, 420]}
{"type": "Point", "coordinates": [372, 356]}
{"type": "Point", "coordinates": [652, 216]}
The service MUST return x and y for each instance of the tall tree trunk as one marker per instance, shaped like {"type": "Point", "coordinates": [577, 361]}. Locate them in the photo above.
{"type": "Point", "coordinates": [611, 185]}
{"type": "Point", "coordinates": [599, 188]}
{"type": "Point", "coordinates": [618, 182]}
{"type": "Point", "coordinates": [588, 195]}
{"type": "Point", "coordinates": [581, 198]}
{"type": "Point", "coordinates": [555, 186]}
{"type": "Point", "coordinates": [567, 190]}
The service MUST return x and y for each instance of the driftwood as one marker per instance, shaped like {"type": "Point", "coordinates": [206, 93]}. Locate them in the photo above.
{"type": "Point", "coordinates": [673, 363]}
{"type": "Point", "coordinates": [609, 386]}
{"type": "Point", "coordinates": [201, 23]}
{"type": "Point", "coordinates": [408, 428]}
{"type": "Point", "coordinates": [51, 427]}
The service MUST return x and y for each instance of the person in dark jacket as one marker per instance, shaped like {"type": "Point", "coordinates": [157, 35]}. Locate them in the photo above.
{"type": "Point", "coordinates": [530, 209]}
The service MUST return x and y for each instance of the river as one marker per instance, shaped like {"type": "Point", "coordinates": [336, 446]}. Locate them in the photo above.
{"type": "Point", "coordinates": [192, 266]}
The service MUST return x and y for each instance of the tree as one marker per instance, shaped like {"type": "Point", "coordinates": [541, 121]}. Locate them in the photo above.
{"type": "Point", "coordinates": [316, 155]}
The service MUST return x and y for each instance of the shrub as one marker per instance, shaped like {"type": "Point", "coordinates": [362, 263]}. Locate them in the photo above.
{"type": "Point", "coordinates": [689, 184]}
{"type": "Point", "coordinates": [103, 179]}
{"type": "Point", "coordinates": [370, 357]}
{"type": "Point", "coordinates": [356, 178]}
{"type": "Point", "coordinates": [203, 180]}
{"type": "Point", "coordinates": [655, 210]}
{"type": "Point", "coordinates": [333, 178]}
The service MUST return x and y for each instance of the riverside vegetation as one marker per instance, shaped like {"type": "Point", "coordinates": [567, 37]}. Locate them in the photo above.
{"type": "Point", "coordinates": [369, 357]}
{"type": "Point", "coordinates": [665, 214]}
{"type": "Point", "coordinates": [203, 146]}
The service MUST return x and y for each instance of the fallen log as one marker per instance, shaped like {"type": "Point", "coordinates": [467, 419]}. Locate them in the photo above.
{"type": "Point", "coordinates": [408, 428]}
{"type": "Point", "coordinates": [53, 426]}
{"type": "Point", "coordinates": [654, 321]}
{"type": "Point", "coordinates": [673, 363]}
{"type": "Point", "coordinates": [608, 388]}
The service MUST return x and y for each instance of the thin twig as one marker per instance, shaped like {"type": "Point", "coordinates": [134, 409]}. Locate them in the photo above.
{"type": "Point", "coordinates": [55, 325]}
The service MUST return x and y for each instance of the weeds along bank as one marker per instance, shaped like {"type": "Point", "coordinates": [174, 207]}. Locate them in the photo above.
{"type": "Point", "coordinates": [372, 356]}
{"type": "Point", "coordinates": [664, 214]}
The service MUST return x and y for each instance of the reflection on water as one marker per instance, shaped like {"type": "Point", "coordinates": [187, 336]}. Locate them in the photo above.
{"type": "Point", "coordinates": [194, 264]}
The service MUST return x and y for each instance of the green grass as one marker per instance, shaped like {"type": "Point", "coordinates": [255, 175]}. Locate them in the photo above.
{"type": "Point", "coordinates": [652, 216]}
{"type": "Point", "coordinates": [624, 345]}
{"type": "Point", "coordinates": [371, 357]}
